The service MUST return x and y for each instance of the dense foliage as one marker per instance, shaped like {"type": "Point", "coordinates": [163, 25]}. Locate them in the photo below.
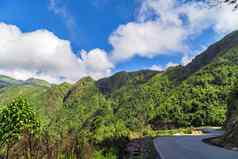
{"type": "Point", "coordinates": [230, 138]}
{"type": "Point", "coordinates": [95, 119]}
{"type": "Point", "coordinates": [199, 99]}
{"type": "Point", "coordinates": [17, 119]}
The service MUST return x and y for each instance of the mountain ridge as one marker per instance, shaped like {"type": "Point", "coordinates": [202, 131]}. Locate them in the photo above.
{"type": "Point", "coordinates": [104, 111]}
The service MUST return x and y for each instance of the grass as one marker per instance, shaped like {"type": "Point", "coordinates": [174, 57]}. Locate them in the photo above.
{"type": "Point", "coordinates": [171, 132]}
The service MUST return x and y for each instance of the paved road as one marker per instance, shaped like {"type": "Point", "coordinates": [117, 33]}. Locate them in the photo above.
{"type": "Point", "coordinates": [191, 147]}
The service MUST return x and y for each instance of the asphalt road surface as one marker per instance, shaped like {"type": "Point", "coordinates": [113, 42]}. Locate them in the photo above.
{"type": "Point", "coordinates": [191, 147]}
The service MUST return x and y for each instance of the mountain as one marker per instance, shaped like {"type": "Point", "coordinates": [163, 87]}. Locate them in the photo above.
{"type": "Point", "coordinates": [52, 99]}
{"type": "Point", "coordinates": [5, 80]}
{"type": "Point", "coordinates": [192, 95]}
{"type": "Point", "coordinates": [33, 89]}
{"type": "Point", "coordinates": [37, 82]}
{"type": "Point", "coordinates": [32, 92]}
{"type": "Point", "coordinates": [11, 88]}
{"type": "Point", "coordinates": [201, 99]}
{"type": "Point", "coordinates": [97, 115]}
{"type": "Point", "coordinates": [121, 79]}
{"type": "Point", "coordinates": [212, 52]}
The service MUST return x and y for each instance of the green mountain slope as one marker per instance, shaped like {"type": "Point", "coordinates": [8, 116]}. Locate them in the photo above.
{"type": "Point", "coordinates": [32, 92]}
{"type": "Point", "coordinates": [5, 81]}
{"type": "Point", "coordinates": [86, 109]}
{"type": "Point", "coordinates": [218, 48]}
{"type": "Point", "coordinates": [53, 98]}
{"type": "Point", "coordinates": [204, 94]}
{"type": "Point", "coordinates": [96, 114]}
{"type": "Point", "coordinates": [193, 95]}
{"type": "Point", "coordinates": [33, 89]}
{"type": "Point", "coordinates": [122, 79]}
{"type": "Point", "coordinates": [37, 82]}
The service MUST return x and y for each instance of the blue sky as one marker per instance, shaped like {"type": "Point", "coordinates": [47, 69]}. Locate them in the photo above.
{"type": "Point", "coordinates": [95, 20]}
{"type": "Point", "coordinates": [121, 34]}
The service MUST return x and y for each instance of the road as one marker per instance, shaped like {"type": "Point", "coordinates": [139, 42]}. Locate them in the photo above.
{"type": "Point", "coordinates": [191, 147]}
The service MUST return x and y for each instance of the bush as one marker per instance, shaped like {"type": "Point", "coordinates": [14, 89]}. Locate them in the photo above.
{"type": "Point", "coordinates": [17, 119]}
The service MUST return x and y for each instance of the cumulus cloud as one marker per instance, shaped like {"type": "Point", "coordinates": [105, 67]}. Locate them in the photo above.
{"type": "Point", "coordinates": [163, 68]}
{"type": "Point", "coordinates": [43, 55]}
{"type": "Point", "coordinates": [156, 68]}
{"type": "Point", "coordinates": [171, 64]}
{"type": "Point", "coordinates": [146, 40]}
{"type": "Point", "coordinates": [165, 26]}
{"type": "Point", "coordinates": [161, 27]}
{"type": "Point", "coordinates": [96, 63]}
{"type": "Point", "coordinates": [186, 60]}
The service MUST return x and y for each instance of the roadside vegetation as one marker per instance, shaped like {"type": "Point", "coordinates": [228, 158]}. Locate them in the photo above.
{"type": "Point", "coordinates": [230, 138]}
{"type": "Point", "coordinates": [99, 119]}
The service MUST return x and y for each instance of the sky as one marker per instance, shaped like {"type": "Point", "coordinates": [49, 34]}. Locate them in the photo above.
{"type": "Point", "coordinates": [65, 40]}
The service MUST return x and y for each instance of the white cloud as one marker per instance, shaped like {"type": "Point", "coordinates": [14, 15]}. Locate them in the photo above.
{"type": "Point", "coordinates": [163, 68]}
{"type": "Point", "coordinates": [222, 19]}
{"type": "Point", "coordinates": [43, 55]}
{"type": "Point", "coordinates": [161, 27]}
{"type": "Point", "coordinates": [186, 60]}
{"type": "Point", "coordinates": [97, 63]}
{"type": "Point", "coordinates": [156, 68]}
{"type": "Point", "coordinates": [146, 40]}
{"type": "Point", "coordinates": [226, 19]}
{"type": "Point", "coordinates": [164, 26]}
{"type": "Point", "coordinates": [188, 57]}
{"type": "Point", "coordinates": [171, 64]}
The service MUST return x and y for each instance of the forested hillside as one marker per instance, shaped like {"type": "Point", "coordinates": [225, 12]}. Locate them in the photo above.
{"type": "Point", "coordinates": [95, 119]}
{"type": "Point", "coordinates": [193, 95]}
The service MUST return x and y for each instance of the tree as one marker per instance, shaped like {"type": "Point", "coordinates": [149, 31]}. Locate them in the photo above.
{"type": "Point", "coordinates": [16, 119]}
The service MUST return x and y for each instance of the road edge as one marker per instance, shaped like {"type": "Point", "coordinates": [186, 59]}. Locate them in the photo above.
{"type": "Point", "coordinates": [160, 154]}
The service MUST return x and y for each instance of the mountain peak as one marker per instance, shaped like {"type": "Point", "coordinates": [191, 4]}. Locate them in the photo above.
{"type": "Point", "coordinates": [120, 79]}
{"type": "Point", "coordinates": [6, 80]}
{"type": "Point", "coordinates": [39, 82]}
{"type": "Point", "coordinates": [85, 80]}
{"type": "Point", "coordinates": [214, 50]}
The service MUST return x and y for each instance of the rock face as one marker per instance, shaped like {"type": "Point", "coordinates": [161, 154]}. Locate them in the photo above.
{"type": "Point", "coordinates": [231, 136]}
{"type": "Point", "coordinates": [230, 139]}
